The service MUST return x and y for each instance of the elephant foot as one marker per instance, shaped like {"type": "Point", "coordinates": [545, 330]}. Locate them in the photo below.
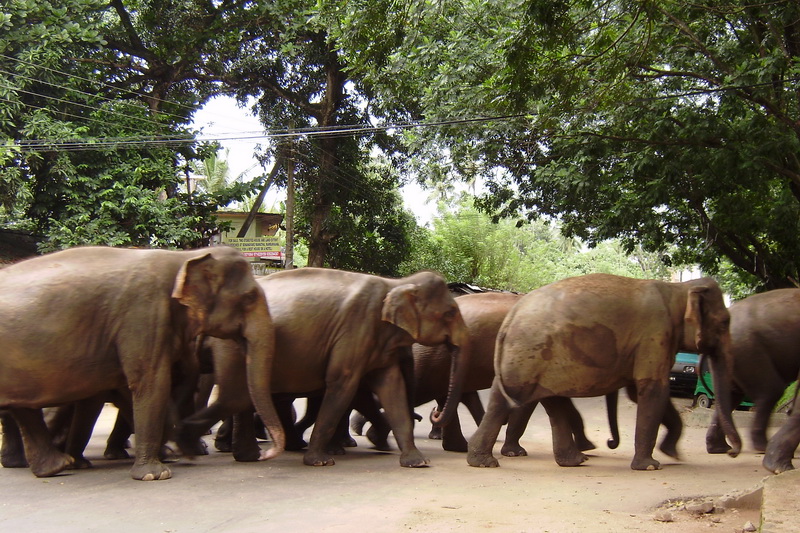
{"type": "Point", "coordinates": [81, 463]}
{"type": "Point", "coordinates": [114, 453]}
{"type": "Point", "coordinates": [483, 460]}
{"type": "Point", "coordinates": [15, 460]}
{"type": "Point", "coordinates": [513, 450]}
{"type": "Point", "coordinates": [191, 448]}
{"type": "Point", "coordinates": [717, 448]}
{"type": "Point", "coordinates": [249, 455]}
{"type": "Point", "coordinates": [715, 440]}
{"type": "Point", "coordinates": [777, 465]}
{"type": "Point", "coordinates": [336, 449]}
{"type": "Point", "coordinates": [584, 444]}
{"type": "Point", "coordinates": [317, 459]}
{"type": "Point", "coordinates": [571, 458]}
{"type": "Point", "coordinates": [224, 445]}
{"type": "Point", "coordinates": [645, 464]}
{"type": "Point", "coordinates": [51, 465]}
{"type": "Point", "coordinates": [357, 422]}
{"type": "Point", "coordinates": [759, 442]}
{"type": "Point", "coordinates": [413, 459]}
{"type": "Point", "coordinates": [435, 434]}
{"type": "Point", "coordinates": [379, 440]}
{"type": "Point", "coordinates": [295, 445]}
{"type": "Point", "coordinates": [154, 471]}
{"type": "Point", "coordinates": [670, 449]}
{"type": "Point", "coordinates": [349, 442]}
{"type": "Point", "coordinates": [455, 445]}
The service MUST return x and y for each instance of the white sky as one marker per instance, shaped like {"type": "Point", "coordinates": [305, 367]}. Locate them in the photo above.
{"type": "Point", "coordinates": [223, 118]}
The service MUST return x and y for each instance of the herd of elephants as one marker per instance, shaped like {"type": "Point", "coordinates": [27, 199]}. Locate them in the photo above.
{"type": "Point", "coordinates": [149, 329]}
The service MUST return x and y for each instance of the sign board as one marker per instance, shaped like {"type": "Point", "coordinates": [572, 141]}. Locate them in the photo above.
{"type": "Point", "coordinates": [268, 247]}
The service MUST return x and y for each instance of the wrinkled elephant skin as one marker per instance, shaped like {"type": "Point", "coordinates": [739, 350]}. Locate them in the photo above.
{"type": "Point", "coordinates": [765, 352]}
{"type": "Point", "coordinates": [77, 323]}
{"type": "Point", "coordinates": [592, 335]}
{"type": "Point", "coordinates": [333, 329]}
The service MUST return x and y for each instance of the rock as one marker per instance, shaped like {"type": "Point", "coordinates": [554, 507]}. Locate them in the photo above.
{"type": "Point", "coordinates": [700, 507]}
{"type": "Point", "coordinates": [749, 527]}
{"type": "Point", "coordinates": [663, 516]}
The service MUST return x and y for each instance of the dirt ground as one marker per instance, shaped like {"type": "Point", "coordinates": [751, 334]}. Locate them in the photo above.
{"type": "Point", "coordinates": [368, 491]}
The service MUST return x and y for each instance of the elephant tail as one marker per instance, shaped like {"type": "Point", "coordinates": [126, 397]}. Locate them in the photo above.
{"type": "Point", "coordinates": [515, 392]}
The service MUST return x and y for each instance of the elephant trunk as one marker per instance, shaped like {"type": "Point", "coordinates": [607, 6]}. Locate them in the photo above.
{"type": "Point", "coordinates": [459, 353]}
{"type": "Point", "coordinates": [260, 338]}
{"type": "Point", "coordinates": [722, 392]}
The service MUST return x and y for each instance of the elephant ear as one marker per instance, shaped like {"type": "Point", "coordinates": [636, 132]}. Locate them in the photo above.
{"type": "Point", "coordinates": [400, 309]}
{"type": "Point", "coordinates": [693, 318]}
{"type": "Point", "coordinates": [196, 284]}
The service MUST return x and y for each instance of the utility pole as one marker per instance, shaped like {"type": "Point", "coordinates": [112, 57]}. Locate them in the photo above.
{"type": "Point", "coordinates": [289, 259]}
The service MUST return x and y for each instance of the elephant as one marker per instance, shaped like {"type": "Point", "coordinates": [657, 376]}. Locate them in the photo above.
{"type": "Point", "coordinates": [121, 319]}
{"type": "Point", "coordinates": [333, 329]}
{"type": "Point", "coordinates": [765, 351]}
{"type": "Point", "coordinates": [782, 445]}
{"type": "Point", "coordinates": [594, 334]}
{"type": "Point", "coordinates": [483, 314]}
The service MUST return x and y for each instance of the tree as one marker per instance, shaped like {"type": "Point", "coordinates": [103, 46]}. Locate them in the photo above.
{"type": "Point", "coordinates": [466, 246]}
{"type": "Point", "coordinates": [673, 125]}
{"type": "Point", "coordinates": [99, 154]}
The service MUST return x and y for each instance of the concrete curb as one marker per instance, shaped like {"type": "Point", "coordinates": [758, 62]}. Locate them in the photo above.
{"type": "Point", "coordinates": [780, 503]}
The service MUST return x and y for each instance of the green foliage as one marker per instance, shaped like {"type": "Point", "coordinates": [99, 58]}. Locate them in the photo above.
{"type": "Point", "coordinates": [466, 246]}
{"type": "Point", "coordinates": [670, 126]}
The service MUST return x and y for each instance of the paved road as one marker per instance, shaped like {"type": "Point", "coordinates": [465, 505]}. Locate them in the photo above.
{"type": "Point", "coordinates": [369, 491]}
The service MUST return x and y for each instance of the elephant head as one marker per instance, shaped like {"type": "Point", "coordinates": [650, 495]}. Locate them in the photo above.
{"type": "Point", "coordinates": [224, 300]}
{"type": "Point", "coordinates": [423, 306]}
{"type": "Point", "coordinates": [706, 331]}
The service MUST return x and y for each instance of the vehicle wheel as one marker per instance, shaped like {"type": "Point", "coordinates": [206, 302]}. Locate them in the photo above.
{"type": "Point", "coordinates": [704, 401]}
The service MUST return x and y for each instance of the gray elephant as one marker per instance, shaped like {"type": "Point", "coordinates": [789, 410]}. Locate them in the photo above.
{"type": "Point", "coordinates": [333, 329]}
{"type": "Point", "coordinates": [592, 335]}
{"type": "Point", "coordinates": [77, 323]}
{"type": "Point", "coordinates": [781, 447]}
{"type": "Point", "coordinates": [765, 352]}
{"type": "Point", "coordinates": [483, 315]}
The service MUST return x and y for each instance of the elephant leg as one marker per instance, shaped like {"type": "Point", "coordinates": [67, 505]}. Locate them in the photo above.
{"type": "Point", "coordinates": [479, 448]}
{"type": "Point", "coordinates": [313, 405]}
{"type": "Point", "coordinates": [338, 395]}
{"type": "Point", "coordinates": [517, 423]}
{"type": "Point", "coordinates": [244, 444]}
{"type": "Point", "coordinates": [473, 403]}
{"type": "Point", "coordinates": [223, 440]}
{"type": "Point", "coordinates": [83, 420]}
{"type": "Point", "coordinates": [341, 437]}
{"type": "Point", "coordinates": [565, 449]}
{"type": "Point", "coordinates": [43, 457]}
{"type": "Point", "coordinates": [357, 422]}
{"type": "Point", "coordinates": [389, 385]}
{"type": "Point", "coordinates": [763, 411]}
{"type": "Point", "coordinates": [672, 421]}
{"type": "Point", "coordinates": [284, 406]}
{"type": "Point", "coordinates": [576, 427]}
{"type": "Point", "coordinates": [782, 445]}
{"type": "Point", "coordinates": [369, 407]}
{"type": "Point", "coordinates": [12, 452]}
{"type": "Point", "coordinates": [653, 397]}
{"type": "Point", "coordinates": [117, 442]}
{"type": "Point", "coordinates": [452, 437]}
{"type": "Point", "coordinates": [150, 401]}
